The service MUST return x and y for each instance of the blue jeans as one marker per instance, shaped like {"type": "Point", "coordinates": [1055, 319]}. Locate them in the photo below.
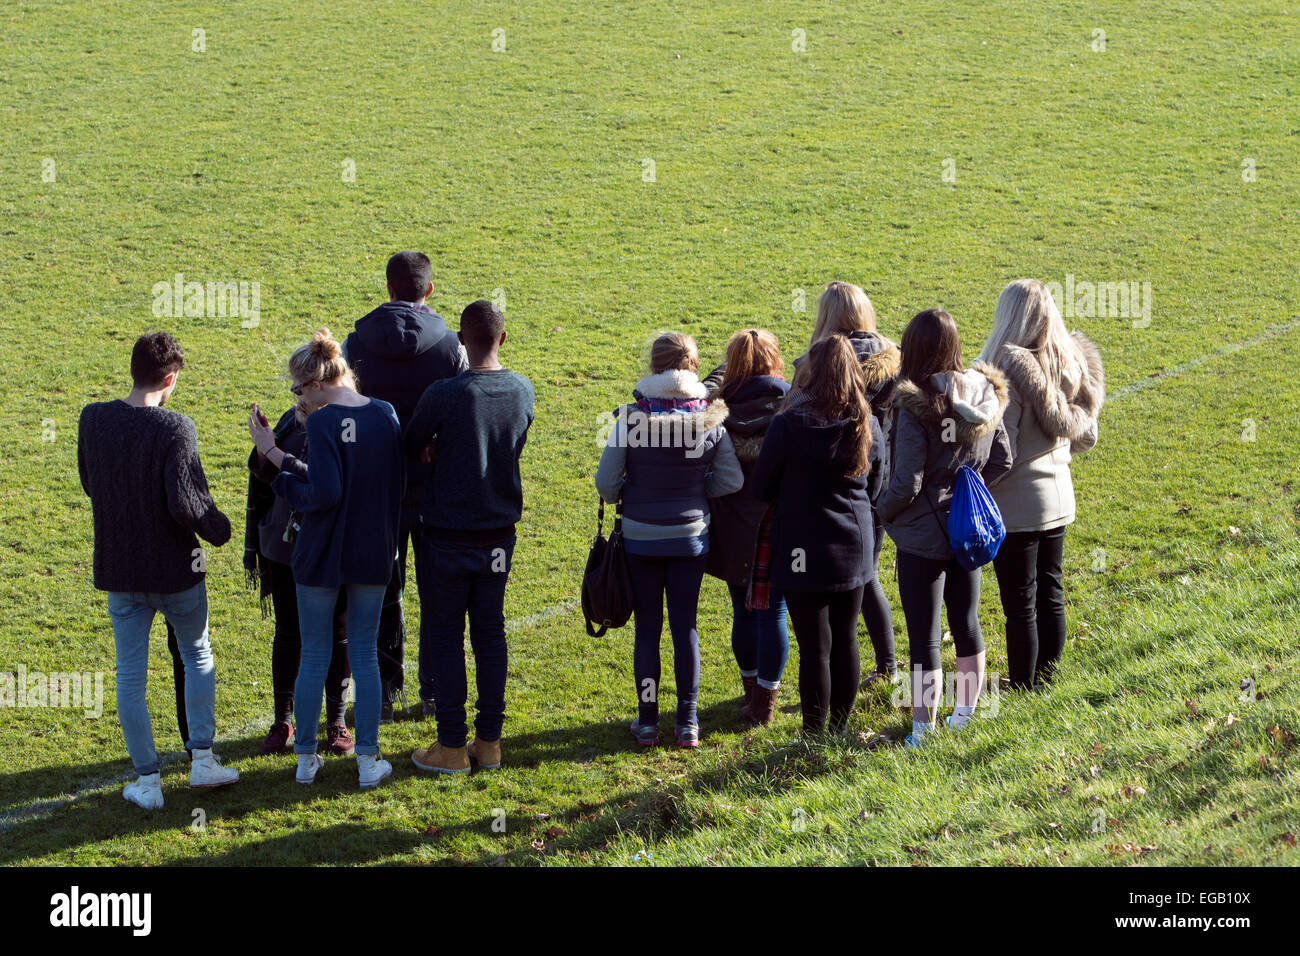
{"type": "Point", "coordinates": [133, 613]}
{"type": "Point", "coordinates": [459, 579]}
{"type": "Point", "coordinates": [316, 621]}
{"type": "Point", "coordinates": [759, 639]}
{"type": "Point", "coordinates": [678, 580]}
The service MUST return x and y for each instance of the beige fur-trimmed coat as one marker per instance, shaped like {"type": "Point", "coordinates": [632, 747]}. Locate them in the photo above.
{"type": "Point", "coordinates": [1047, 423]}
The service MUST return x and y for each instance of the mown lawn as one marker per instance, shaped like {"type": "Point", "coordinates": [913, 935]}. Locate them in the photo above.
{"type": "Point", "coordinates": [1171, 156]}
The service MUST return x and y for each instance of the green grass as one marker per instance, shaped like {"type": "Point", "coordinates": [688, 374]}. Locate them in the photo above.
{"type": "Point", "coordinates": [774, 171]}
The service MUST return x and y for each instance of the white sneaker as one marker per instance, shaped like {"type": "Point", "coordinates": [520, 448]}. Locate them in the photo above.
{"type": "Point", "coordinates": [372, 770]}
{"type": "Point", "coordinates": [309, 765]}
{"type": "Point", "coordinates": [146, 792]}
{"type": "Point", "coordinates": [206, 771]}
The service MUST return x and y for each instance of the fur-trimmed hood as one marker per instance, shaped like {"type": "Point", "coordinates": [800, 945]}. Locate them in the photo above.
{"type": "Point", "coordinates": [974, 401]}
{"type": "Point", "coordinates": [879, 365]}
{"type": "Point", "coordinates": [1067, 408]}
{"type": "Point", "coordinates": [681, 394]}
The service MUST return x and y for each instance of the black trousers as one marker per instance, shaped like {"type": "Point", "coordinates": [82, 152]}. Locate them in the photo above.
{"type": "Point", "coordinates": [826, 628]}
{"type": "Point", "coordinates": [392, 625]}
{"type": "Point", "coordinates": [876, 613]}
{"type": "Point", "coordinates": [925, 587]}
{"type": "Point", "coordinates": [1028, 566]}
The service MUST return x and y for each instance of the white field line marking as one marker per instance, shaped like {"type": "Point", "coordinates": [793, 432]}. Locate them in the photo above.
{"type": "Point", "coordinates": [1272, 332]}
{"type": "Point", "coordinates": [41, 808]}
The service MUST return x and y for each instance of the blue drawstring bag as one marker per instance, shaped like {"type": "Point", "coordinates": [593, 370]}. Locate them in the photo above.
{"type": "Point", "coordinates": [975, 527]}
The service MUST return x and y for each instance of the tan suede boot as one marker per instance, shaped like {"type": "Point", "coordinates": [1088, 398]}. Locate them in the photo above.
{"type": "Point", "coordinates": [485, 753]}
{"type": "Point", "coordinates": [440, 759]}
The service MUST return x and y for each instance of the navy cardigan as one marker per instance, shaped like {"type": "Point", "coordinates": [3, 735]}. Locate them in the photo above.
{"type": "Point", "coordinates": [351, 498]}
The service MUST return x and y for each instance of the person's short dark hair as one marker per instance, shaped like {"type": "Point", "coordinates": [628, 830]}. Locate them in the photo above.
{"type": "Point", "coordinates": [155, 356]}
{"type": "Point", "coordinates": [481, 324]}
{"type": "Point", "coordinates": [409, 275]}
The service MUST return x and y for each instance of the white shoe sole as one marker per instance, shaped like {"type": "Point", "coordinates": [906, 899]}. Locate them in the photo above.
{"type": "Point", "coordinates": [374, 783]}
{"type": "Point", "coordinates": [423, 769]}
{"type": "Point", "coordinates": [135, 803]}
{"type": "Point", "coordinates": [213, 786]}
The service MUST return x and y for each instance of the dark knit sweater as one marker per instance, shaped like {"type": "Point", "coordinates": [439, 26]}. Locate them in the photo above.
{"type": "Point", "coordinates": [479, 422]}
{"type": "Point", "coordinates": [149, 497]}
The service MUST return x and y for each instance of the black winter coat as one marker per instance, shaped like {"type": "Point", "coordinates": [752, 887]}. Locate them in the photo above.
{"type": "Point", "coordinates": [822, 531]}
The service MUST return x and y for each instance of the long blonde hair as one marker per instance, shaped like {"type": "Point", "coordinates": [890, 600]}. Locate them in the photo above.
{"type": "Point", "coordinates": [1027, 316]}
{"type": "Point", "coordinates": [842, 308]}
{"type": "Point", "coordinates": [321, 360]}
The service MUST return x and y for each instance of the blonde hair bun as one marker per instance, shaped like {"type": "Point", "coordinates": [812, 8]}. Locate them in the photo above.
{"type": "Point", "coordinates": [325, 345]}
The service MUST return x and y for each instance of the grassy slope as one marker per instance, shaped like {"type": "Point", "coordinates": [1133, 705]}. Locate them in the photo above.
{"type": "Point", "coordinates": [775, 171]}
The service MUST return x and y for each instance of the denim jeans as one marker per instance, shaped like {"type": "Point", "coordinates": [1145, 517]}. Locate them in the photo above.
{"type": "Point", "coordinates": [459, 579]}
{"type": "Point", "coordinates": [132, 613]}
{"type": "Point", "coordinates": [316, 620]}
{"type": "Point", "coordinates": [677, 580]}
{"type": "Point", "coordinates": [759, 639]}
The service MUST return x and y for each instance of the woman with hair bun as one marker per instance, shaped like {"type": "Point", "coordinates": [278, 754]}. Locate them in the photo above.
{"type": "Point", "coordinates": [349, 504]}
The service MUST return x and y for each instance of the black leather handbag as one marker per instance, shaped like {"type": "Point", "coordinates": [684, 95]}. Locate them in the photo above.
{"type": "Point", "coordinates": [606, 582]}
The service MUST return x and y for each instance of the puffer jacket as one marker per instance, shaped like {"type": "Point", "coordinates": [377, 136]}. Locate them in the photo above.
{"type": "Point", "coordinates": [666, 454]}
{"type": "Point", "coordinates": [928, 449]}
{"type": "Point", "coordinates": [1047, 423]}
{"type": "Point", "coordinates": [735, 519]}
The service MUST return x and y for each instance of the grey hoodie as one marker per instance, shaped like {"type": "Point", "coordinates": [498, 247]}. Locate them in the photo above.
{"type": "Point", "coordinates": [929, 446]}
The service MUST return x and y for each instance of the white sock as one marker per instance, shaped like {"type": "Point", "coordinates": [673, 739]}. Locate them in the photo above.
{"type": "Point", "coordinates": [919, 728]}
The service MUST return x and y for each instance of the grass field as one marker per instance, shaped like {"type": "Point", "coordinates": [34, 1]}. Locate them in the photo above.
{"type": "Point", "coordinates": [927, 151]}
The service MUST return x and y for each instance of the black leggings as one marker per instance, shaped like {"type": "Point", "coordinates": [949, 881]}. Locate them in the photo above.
{"type": "Point", "coordinates": [286, 649]}
{"type": "Point", "coordinates": [925, 585]}
{"type": "Point", "coordinates": [826, 628]}
{"type": "Point", "coordinates": [876, 613]}
{"type": "Point", "coordinates": [1028, 566]}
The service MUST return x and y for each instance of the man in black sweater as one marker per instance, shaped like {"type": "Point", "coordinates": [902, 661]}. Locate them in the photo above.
{"type": "Point", "coordinates": [139, 463]}
{"type": "Point", "coordinates": [397, 351]}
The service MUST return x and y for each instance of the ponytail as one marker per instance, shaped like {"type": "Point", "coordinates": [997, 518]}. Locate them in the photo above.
{"type": "Point", "coordinates": [750, 352]}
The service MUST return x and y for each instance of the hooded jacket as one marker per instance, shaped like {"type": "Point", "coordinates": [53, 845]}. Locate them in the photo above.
{"type": "Point", "coordinates": [822, 530]}
{"type": "Point", "coordinates": [928, 447]}
{"type": "Point", "coordinates": [881, 361]}
{"type": "Point", "coordinates": [666, 454]}
{"type": "Point", "coordinates": [1047, 423]}
{"type": "Point", "coordinates": [397, 351]}
{"type": "Point", "coordinates": [735, 519]}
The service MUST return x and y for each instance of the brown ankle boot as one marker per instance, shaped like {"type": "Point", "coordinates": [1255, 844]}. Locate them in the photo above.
{"type": "Point", "coordinates": [763, 708]}
{"type": "Point", "coordinates": [747, 686]}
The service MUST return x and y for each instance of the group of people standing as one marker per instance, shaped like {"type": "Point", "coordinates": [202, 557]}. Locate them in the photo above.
{"type": "Point", "coordinates": [407, 435]}
{"type": "Point", "coordinates": [786, 489]}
